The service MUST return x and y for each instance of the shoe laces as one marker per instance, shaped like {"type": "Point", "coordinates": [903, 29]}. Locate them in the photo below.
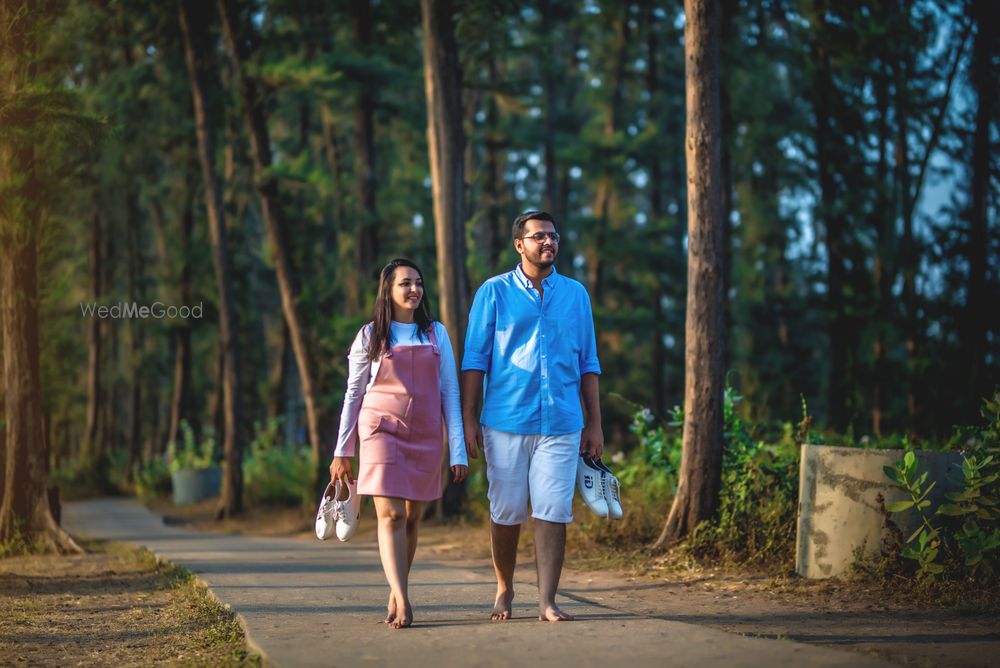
{"type": "Point", "coordinates": [611, 486]}
{"type": "Point", "coordinates": [332, 509]}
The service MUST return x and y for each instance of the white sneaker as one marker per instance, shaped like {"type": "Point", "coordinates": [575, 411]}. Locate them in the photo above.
{"type": "Point", "coordinates": [612, 491]}
{"type": "Point", "coordinates": [588, 480]}
{"type": "Point", "coordinates": [346, 511]}
{"type": "Point", "coordinates": [336, 514]}
{"type": "Point", "coordinates": [325, 522]}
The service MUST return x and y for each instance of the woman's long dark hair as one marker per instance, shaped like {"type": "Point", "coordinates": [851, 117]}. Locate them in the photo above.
{"type": "Point", "coordinates": [381, 334]}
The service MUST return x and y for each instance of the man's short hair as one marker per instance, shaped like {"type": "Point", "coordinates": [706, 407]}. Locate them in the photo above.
{"type": "Point", "coordinates": [517, 230]}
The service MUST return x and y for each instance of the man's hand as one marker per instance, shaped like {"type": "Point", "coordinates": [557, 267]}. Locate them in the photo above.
{"type": "Point", "coordinates": [592, 440]}
{"type": "Point", "coordinates": [459, 472]}
{"type": "Point", "coordinates": [473, 436]}
{"type": "Point", "coordinates": [340, 469]}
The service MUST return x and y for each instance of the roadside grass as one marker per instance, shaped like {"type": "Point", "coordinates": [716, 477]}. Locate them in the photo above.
{"type": "Point", "coordinates": [115, 605]}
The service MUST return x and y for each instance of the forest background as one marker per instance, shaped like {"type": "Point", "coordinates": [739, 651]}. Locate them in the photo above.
{"type": "Point", "coordinates": [262, 160]}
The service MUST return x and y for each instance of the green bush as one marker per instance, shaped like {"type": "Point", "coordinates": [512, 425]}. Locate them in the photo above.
{"type": "Point", "coordinates": [85, 479]}
{"type": "Point", "coordinates": [191, 454]}
{"type": "Point", "coordinates": [277, 473]}
{"type": "Point", "coordinates": [961, 538]}
{"type": "Point", "coordinates": [755, 521]}
{"type": "Point", "coordinates": [152, 480]}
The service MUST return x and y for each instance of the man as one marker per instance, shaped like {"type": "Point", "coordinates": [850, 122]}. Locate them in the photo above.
{"type": "Point", "coordinates": [531, 335]}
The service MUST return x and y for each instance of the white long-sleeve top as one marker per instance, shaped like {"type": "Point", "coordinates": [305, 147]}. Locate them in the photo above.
{"type": "Point", "coordinates": [362, 372]}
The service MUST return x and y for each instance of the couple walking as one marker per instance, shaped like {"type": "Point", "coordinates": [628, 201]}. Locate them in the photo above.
{"type": "Point", "coordinates": [531, 345]}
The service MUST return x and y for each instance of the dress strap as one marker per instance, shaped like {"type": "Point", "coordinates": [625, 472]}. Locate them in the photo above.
{"type": "Point", "coordinates": [434, 342]}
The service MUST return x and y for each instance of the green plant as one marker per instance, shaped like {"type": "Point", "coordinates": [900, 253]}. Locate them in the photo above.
{"type": "Point", "coordinates": [276, 472]}
{"type": "Point", "coordinates": [19, 543]}
{"type": "Point", "coordinates": [191, 454]}
{"type": "Point", "coordinates": [152, 480]}
{"type": "Point", "coordinates": [970, 519]}
{"type": "Point", "coordinates": [922, 546]}
{"type": "Point", "coordinates": [976, 503]}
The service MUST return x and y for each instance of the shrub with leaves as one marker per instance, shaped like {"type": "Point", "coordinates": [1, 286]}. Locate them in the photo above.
{"type": "Point", "coordinates": [152, 480]}
{"type": "Point", "coordinates": [275, 472]}
{"type": "Point", "coordinates": [755, 522]}
{"type": "Point", "coordinates": [961, 538]}
{"type": "Point", "coordinates": [190, 454]}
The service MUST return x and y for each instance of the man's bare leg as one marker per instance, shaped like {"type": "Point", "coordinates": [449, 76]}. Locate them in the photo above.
{"type": "Point", "coordinates": [550, 549]}
{"type": "Point", "coordinates": [503, 541]}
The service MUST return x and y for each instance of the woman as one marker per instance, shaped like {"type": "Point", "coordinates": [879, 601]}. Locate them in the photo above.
{"type": "Point", "coordinates": [402, 377]}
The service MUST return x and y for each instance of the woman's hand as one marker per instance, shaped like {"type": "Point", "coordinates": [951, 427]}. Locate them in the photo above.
{"type": "Point", "coordinates": [340, 469]}
{"type": "Point", "coordinates": [459, 472]}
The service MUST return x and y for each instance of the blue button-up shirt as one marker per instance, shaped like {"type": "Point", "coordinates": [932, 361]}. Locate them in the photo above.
{"type": "Point", "coordinates": [533, 351]}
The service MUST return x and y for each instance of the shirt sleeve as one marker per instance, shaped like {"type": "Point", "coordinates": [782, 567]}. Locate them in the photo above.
{"type": "Point", "coordinates": [450, 401]}
{"type": "Point", "coordinates": [480, 331]}
{"type": "Point", "coordinates": [588, 345]}
{"type": "Point", "coordinates": [359, 370]}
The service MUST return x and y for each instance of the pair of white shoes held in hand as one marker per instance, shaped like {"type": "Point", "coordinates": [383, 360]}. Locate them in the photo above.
{"type": "Point", "coordinates": [599, 488]}
{"type": "Point", "coordinates": [339, 511]}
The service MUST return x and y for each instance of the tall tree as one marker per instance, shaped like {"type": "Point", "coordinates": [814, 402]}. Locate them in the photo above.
{"type": "Point", "coordinates": [364, 148]}
{"type": "Point", "coordinates": [978, 298]}
{"type": "Point", "coordinates": [701, 458]}
{"type": "Point", "coordinates": [194, 27]}
{"type": "Point", "coordinates": [446, 143]}
{"type": "Point", "coordinates": [272, 212]}
{"type": "Point", "coordinates": [39, 117]}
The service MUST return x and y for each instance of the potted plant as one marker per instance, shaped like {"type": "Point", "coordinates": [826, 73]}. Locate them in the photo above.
{"type": "Point", "coordinates": [193, 471]}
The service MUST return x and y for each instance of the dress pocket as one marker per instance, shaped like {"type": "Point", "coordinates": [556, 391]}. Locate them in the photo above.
{"type": "Point", "coordinates": [378, 445]}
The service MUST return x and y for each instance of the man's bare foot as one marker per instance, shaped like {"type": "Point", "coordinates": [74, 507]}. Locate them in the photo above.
{"type": "Point", "coordinates": [502, 607]}
{"type": "Point", "coordinates": [391, 617]}
{"type": "Point", "coordinates": [404, 620]}
{"type": "Point", "coordinates": [554, 614]}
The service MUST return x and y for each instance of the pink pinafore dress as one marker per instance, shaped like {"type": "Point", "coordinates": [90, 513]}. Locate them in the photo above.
{"type": "Point", "coordinates": [400, 426]}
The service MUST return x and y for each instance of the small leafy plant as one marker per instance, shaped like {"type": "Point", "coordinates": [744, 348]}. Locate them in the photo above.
{"type": "Point", "coordinates": [191, 454]}
{"type": "Point", "coordinates": [968, 523]}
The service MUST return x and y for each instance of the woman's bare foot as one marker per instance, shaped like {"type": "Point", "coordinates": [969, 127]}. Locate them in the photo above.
{"type": "Point", "coordinates": [391, 617]}
{"type": "Point", "coordinates": [502, 606]}
{"type": "Point", "coordinates": [405, 619]}
{"type": "Point", "coordinates": [553, 614]}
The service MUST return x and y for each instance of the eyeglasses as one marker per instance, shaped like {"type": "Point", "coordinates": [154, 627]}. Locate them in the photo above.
{"type": "Point", "coordinates": [540, 237]}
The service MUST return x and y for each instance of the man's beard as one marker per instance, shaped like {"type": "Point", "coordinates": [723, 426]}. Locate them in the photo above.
{"type": "Point", "coordinates": [541, 262]}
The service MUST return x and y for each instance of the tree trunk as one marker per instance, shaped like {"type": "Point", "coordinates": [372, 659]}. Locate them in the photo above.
{"type": "Point", "coordinates": [364, 150]}
{"type": "Point", "coordinates": [977, 305]}
{"type": "Point", "coordinates": [604, 193]}
{"type": "Point", "coordinates": [882, 267]}
{"type": "Point", "coordinates": [909, 259]}
{"type": "Point", "coordinates": [274, 218]}
{"type": "Point", "coordinates": [655, 212]}
{"type": "Point", "coordinates": [24, 508]}
{"type": "Point", "coordinates": [701, 458]}
{"type": "Point", "coordinates": [445, 140]}
{"type": "Point", "coordinates": [494, 237]}
{"type": "Point", "coordinates": [194, 26]}
{"type": "Point", "coordinates": [135, 264]}
{"type": "Point", "coordinates": [88, 448]}
{"type": "Point", "coordinates": [830, 212]}
{"type": "Point", "coordinates": [276, 400]}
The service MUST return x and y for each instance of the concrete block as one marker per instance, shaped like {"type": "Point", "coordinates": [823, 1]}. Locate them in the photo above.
{"type": "Point", "coordinates": [838, 511]}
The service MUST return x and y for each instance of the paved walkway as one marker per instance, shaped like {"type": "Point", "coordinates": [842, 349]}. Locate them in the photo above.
{"type": "Point", "coordinates": [307, 603]}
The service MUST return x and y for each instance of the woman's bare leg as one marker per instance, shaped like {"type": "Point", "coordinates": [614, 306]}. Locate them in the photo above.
{"type": "Point", "coordinates": [392, 548]}
{"type": "Point", "coordinates": [414, 511]}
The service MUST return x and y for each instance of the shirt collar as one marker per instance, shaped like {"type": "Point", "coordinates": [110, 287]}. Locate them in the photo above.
{"type": "Point", "coordinates": [547, 282]}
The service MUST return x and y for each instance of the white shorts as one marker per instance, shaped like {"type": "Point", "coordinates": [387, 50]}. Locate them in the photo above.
{"type": "Point", "coordinates": [523, 467]}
